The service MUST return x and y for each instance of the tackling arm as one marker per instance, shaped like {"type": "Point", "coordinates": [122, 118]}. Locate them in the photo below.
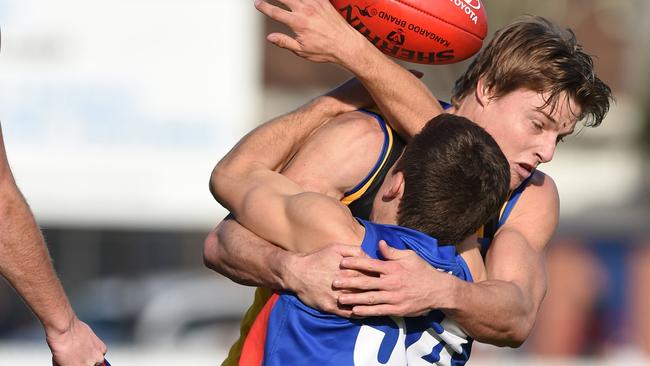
{"type": "Point", "coordinates": [274, 207]}
{"type": "Point", "coordinates": [245, 183]}
{"type": "Point", "coordinates": [332, 161]}
{"type": "Point", "coordinates": [503, 309]}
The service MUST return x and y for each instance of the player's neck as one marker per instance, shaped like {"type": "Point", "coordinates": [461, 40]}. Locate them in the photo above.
{"type": "Point", "coordinates": [470, 250]}
{"type": "Point", "coordinates": [467, 108]}
{"type": "Point", "coordinates": [385, 215]}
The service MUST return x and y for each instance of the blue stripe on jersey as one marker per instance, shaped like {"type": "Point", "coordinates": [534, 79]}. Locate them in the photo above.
{"type": "Point", "coordinates": [384, 149]}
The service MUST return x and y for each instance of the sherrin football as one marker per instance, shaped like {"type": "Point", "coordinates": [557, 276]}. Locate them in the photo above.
{"type": "Point", "coordinates": [419, 31]}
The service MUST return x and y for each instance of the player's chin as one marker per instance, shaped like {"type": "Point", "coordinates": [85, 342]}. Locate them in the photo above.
{"type": "Point", "coordinates": [518, 175]}
{"type": "Point", "coordinates": [515, 179]}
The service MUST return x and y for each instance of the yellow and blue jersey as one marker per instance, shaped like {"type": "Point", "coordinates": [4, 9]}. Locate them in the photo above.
{"type": "Point", "coordinates": [359, 199]}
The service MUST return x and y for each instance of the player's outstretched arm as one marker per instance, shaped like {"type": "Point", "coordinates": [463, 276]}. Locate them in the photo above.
{"type": "Point", "coordinates": [501, 310]}
{"type": "Point", "coordinates": [25, 263]}
{"type": "Point", "coordinates": [322, 35]}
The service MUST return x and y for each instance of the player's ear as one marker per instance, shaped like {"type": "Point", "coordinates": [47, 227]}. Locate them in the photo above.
{"type": "Point", "coordinates": [482, 92]}
{"type": "Point", "coordinates": [397, 186]}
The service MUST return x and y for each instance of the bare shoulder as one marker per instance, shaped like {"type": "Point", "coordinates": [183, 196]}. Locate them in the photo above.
{"type": "Point", "coordinates": [338, 155]}
{"type": "Point", "coordinates": [541, 191]}
{"type": "Point", "coordinates": [318, 220]}
{"type": "Point", "coordinates": [536, 214]}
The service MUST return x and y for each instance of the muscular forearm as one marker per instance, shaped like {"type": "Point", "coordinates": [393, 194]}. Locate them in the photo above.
{"type": "Point", "coordinates": [403, 98]}
{"type": "Point", "coordinates": [494, 312]}
{"type": "Point", "coordinates": [241, 256]}
{"type": "Point", "coordinates": [245, 258]}
{"type": "Point", "coordinates": [502, 310]}
{"type": "Point", "coordinates": [25, 262]}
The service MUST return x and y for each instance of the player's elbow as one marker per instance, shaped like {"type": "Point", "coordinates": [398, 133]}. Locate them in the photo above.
{"type": "Point", "coordinates": [231, 181]}
{"type": "Point", "coordinates": [213, 183]}
{"type": "Point", "coordinates": [515, 339]}
{"type": "Point", "coordinates": [520, 335]}
{"type": "Point", "coordinates": [516, 335]}
{"type": "Point", "coordinates": [511, 332]}
{"type": "Point", "coordinates": [219, 183]}
{"type": "Point", "coordinates": [211, 255]}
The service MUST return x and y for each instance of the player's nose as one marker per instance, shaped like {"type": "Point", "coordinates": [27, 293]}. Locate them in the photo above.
{"type": "Point", "coordinates": [546, 149]}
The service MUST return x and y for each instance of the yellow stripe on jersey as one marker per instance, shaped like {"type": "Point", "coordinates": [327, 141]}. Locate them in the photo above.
{"type": "Point", "coordinates": [359, 192]}
{"type": "Point", "coordinates": [481, 230]}
{"type": "Point", "coordinates": [503, 208]}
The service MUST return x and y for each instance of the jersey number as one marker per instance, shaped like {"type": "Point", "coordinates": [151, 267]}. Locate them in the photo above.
{"type": "Point", "coordinates": [387, 346]}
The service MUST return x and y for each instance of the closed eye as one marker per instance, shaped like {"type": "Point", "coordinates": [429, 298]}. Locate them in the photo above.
{"type": "Point", "coordinates": [537, 125]}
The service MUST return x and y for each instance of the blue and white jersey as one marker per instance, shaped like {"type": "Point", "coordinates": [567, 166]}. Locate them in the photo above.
{"type": "Point", "coordinates": [300, 335]}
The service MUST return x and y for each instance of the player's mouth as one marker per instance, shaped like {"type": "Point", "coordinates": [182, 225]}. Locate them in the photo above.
{"type": "Point", "coordinates": [524, 170]}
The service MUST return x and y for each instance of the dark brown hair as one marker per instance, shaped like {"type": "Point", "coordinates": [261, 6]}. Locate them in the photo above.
{"type": "Point", "coordinates": [535, 54]}
{"type": "Point", "coordinates": [456, 178]}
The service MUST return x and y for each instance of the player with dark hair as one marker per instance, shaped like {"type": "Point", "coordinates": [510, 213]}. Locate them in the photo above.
{"type": "Point", "coordinates": [528, 88]}
{"type": "Point", "coordinates": [451, 178]}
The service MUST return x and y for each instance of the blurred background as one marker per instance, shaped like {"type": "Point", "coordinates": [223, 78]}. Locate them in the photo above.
{"type": "Point", "coordinates": [114, 113]}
